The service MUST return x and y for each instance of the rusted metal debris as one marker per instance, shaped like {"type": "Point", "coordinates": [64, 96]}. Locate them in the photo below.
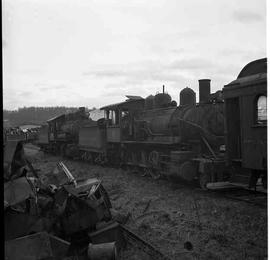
{"type": "Point", "coordinates": [110, 232]}
{"type": "Point", "coordinates": [73, 208]}
{"type": "Point", "coordinates": [61, 218]}
{"type": "Point", "coordinates": [67, 210]}
{"type": "Point", "coordinates": [123, 236]}
{"type": "Point", "coordinates": [68, 173]}
{"type": "Point", "coordinates": [102, 251]}
{"type": "Point", "coordinates": [37, 246]}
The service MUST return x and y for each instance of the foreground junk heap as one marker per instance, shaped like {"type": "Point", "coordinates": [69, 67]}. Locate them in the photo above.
{"type": "Point", "coordinates": [47, 219]}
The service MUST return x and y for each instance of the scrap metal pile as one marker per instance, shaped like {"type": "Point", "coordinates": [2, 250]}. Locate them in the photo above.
{"type": "Point", "coordinates": [50, 218]}
{"type": "Point", "coordinates": [56, 216]}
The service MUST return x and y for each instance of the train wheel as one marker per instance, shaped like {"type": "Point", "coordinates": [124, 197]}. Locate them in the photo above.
{"type": "Point", "coordinates": [188, 171]}
{"type": "Point", "coordinates": [155, 174]}
{"type": "Point", "coordinates": [204, 180]}
{"type": "Point", "coordinates": [145, 172]}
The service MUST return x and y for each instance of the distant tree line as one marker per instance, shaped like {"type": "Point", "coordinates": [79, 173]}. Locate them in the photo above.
{"type": "Point", "coordinates": [34, 115]}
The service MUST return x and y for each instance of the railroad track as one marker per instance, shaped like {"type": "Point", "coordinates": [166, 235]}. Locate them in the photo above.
{"type": "Point", "coordinates": [140, 243]}
{"type": "Point", "coordinates": [256, 198]}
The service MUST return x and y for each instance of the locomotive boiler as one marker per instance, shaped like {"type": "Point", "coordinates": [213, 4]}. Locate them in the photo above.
{"type": "Point", "coordinates": [183, 123]}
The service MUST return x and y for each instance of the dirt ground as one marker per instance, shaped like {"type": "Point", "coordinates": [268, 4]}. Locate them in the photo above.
{"type": "Point", "coordinates": [169, 214]}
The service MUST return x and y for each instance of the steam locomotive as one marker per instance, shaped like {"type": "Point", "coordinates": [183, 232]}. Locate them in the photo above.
{"type": "Point", "coordinates": [61, 133]}
{"type": "Point", "coordinates": [214, 140]}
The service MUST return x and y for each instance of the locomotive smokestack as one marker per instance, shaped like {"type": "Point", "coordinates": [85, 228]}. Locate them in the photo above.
{"type": "Point", "coordinates": [163, 89]}
{"type": "Point", "coordinates": [204, 90]}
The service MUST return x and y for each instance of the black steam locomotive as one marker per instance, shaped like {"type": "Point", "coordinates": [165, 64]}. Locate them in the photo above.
{"type": "Point", "coordinates": [61, 133]}
{"type": "Point", "coordinates": [156, 136]}
{"type": "Point", "coordinates": [220, 138]}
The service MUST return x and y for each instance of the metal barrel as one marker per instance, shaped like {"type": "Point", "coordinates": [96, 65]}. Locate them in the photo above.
{"type": "Point", "coordinates": [105, 251]}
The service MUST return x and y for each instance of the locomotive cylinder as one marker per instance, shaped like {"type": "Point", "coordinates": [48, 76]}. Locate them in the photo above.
{"type": "Point", "coordinates": [204, 90]}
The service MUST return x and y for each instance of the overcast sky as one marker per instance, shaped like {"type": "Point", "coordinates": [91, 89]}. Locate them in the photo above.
{"type": "Point", "coordinates": [94, 52]}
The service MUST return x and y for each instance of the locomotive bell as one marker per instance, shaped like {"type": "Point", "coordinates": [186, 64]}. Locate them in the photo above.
{"type": "Point", "coordinates": [204, 90]}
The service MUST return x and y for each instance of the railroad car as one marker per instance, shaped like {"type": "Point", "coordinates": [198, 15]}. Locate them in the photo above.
{"type": "Point", "coordinates": [246, 124]}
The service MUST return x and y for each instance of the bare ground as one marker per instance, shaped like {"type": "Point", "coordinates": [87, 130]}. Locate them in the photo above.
{"type": "Point", "coordinates": [168, 214]}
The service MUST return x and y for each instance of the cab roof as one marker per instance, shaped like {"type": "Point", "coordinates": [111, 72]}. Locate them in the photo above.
{"type": "Point", "coordinates": [129, 103]}
{"type": "Point", "coordinates": [255, 71]}
{"type": "Point", "coordinates": [253, 68]}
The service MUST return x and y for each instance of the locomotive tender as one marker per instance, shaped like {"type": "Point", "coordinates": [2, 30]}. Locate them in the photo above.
{"type": "Point", "coordinates": [188, 141]}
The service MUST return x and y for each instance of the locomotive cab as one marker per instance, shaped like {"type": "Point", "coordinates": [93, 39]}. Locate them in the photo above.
{"type": "Point", "coordinates": [119, 118]}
